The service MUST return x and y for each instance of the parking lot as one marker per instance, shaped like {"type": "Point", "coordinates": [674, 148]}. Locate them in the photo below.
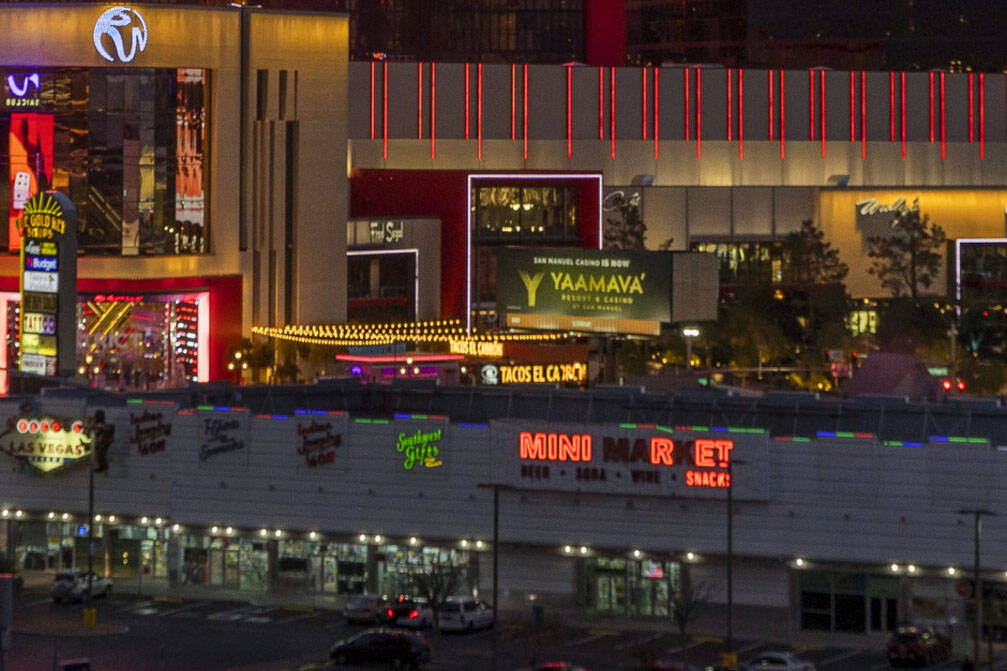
{"type": "Point", "coordinates": [161, 632]}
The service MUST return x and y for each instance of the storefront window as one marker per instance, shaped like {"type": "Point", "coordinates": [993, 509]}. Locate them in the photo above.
{"type": "Point", "coordinates": [126, 145]}
{"type": "Point", "coordinates": [528, 214]}
{"type": "Point", "coordinates": [632, 587]}
{"type": "Point", "coordinates": [755, 262]}
{"type": "Point", "coordinates": [132, 342]}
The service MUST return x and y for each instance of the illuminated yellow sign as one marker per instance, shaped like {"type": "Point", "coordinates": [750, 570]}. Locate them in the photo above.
{"type": "Point", "coordinates": [543, 373]}
{"type": "Point", "coordinates": [474, 348]}
{"type": "Point", "coordinates": [47, 443]}
{"type": "Point", "coordinates": [42, 218]}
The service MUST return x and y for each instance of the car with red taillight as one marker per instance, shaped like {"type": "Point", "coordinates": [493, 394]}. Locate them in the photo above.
{"type": "Point", "coordinates": [917, 646]}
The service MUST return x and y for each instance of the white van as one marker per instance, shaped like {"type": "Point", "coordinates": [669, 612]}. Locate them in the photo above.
{"type": "Point", "coordinates": [465, 614]}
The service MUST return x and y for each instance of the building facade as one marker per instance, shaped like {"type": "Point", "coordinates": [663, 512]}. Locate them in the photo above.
{"type": "Point", "coordinates": [203, 149]}
{"type": "Point", "coordinates": [721, 160]}
{"type": "Point", "coordinates": [845, 531]}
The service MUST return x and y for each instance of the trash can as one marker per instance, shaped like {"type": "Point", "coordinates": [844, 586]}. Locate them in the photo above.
{"type": "Point", "coordinates": [74, 665]}
{"type": "Point", "coordinates": [90, 617]}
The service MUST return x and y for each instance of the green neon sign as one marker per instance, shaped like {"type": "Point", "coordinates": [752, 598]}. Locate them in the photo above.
{"type": "Point", "coordinates": [420, 447]}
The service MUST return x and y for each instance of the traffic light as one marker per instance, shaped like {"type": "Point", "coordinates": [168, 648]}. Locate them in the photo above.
{"type": "Point", "coordinates": [961, 385]}
{"type": "Point", "coordinates": [946, 384]}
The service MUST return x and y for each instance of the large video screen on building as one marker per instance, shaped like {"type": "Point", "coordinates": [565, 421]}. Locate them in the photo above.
{"type": "Point", "coordinates": [586, 290]}
{"type": "Point", "coordinates": [127, 146]}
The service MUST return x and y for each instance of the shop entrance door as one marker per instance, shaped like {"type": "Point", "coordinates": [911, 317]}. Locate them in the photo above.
{"type": "Point", "coordinates": [610, 590]}
{"type": "Point", "coordinates": [224, 567]}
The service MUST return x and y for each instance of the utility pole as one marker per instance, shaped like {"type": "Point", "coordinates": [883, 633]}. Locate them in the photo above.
{"type": "Point", "coordinates": [497, 486]}
{"type": "Point", "coordinates": [978, 514]}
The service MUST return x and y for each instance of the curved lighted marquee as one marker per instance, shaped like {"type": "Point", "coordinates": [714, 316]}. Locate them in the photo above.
{"type": "Point", "coordinates": [111, 24]}
{"type": "Point", "coordinates": [46, 442]}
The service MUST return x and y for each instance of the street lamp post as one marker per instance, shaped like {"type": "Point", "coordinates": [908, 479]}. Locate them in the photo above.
{"type": "Point", "coordinates": [689, 333]}
{"type": "Point", "coordinates": [497, 486]}
{"type": "Point", "coordinates": [978, 514]}
{"type": "Point", "coordinates": [729, 652]}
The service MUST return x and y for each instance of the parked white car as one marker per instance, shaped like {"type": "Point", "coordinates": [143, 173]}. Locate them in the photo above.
{"type": "Point", "coordinates": [72, 585]}
{"type": "Point", "coordinates": [465, 614]}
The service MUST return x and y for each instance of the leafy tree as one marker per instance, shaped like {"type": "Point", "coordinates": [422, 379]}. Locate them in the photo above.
{"type": "Point", "coordinates": [907, 261]}
{"type": "Point", "coordinates": [810, 259]}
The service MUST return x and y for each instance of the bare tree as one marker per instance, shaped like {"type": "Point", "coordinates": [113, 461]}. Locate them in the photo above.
{"type": "Point", "coordinates": [437, 581]}
{"type": "Point", "coordinates": [686, 603]}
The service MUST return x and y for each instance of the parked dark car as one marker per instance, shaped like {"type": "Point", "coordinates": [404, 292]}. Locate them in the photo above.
{"type": "Point", "coordinates": [917, 646]}
{"type": "Point", "coordinates": [394, 647]}
{"type": "Point", "coordinates": [406, 611]}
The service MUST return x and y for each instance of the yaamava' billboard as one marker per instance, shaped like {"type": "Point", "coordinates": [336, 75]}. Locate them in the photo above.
{"type": "Point", "coordinates": [612, 291]}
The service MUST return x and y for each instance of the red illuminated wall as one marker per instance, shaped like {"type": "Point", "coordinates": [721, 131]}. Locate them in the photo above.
{"type": "Point", "coordinates": [225, 306]}
{"type": "Point", "coordinates": [441, 193]}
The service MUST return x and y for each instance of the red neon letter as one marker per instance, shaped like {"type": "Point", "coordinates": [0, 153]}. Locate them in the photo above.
{"type": "Point", "coordinates": [662, 451]}
{"type": "Point", "coordinates": [532, 445]}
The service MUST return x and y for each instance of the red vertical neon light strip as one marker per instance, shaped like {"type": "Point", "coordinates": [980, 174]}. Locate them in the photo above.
{"type": "Point", "coordinates": [982, 115]}
{"type": "Point", "coordinates": [384, 109]}
{"type": "Point", "coordinates": [611, 110]}
{"type": "Point", "coordinates": [783, 119]}
{"type": "Point", "coordinates": [467, 117]}
{"type": "Point", "coordinates": [524, 118]}
{"type": "Point", "coordinates": [699, 113]}
{"type": "Point", "coordinates": [891, 105]}
{"type": "Point", "coordinates": [657, 115]}
{"type": "Point", "coordinates": [479, 111]}
{"type": "Point", "coordinates": [433, 109]}
{"type": "Point", "coordinates": [902, 113]}
{"type": "Point", "coordinates": [419, 100]}
{"type": "Point", "coordinates": [644, 106]}
{"type": "Point", "coordinates": [972, 113]}
{"type": "Point", "coordinates": [771, 86]}
{"type": "Point", "coordinates": [686, 89]}
{"type": "Point", "coordinates": [729, 75]}
{"type": "Point", "coordinates": [853, 103]}
{"type": "Point", "coordinates": [931, 106]}
{"type": "Point", "coordinates": [811, 105]}
{"type": "Point", "coordinates": [821, 106]}
{"type": "Point", "coordinates": [372, 100]}
{"type": "Point", "coordinates": [943, 135]}
{"type": "Point", "coordinates": [513, 101]}
{"type": "Point", "coordinates": [741, 113]}
{"type": "Point", "coordinates": [569, 114]}
{"type": "Point", "coordinates": [601, 103]}
{"type": "Point", "coordinates": [863, 115]}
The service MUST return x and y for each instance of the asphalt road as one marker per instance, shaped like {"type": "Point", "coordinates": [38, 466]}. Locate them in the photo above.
{"type": "Point", "coordinates": [195, 635]}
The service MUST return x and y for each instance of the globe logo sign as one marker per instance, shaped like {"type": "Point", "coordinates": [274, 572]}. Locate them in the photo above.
{"type": "Point", "coordinates": [111, 25]}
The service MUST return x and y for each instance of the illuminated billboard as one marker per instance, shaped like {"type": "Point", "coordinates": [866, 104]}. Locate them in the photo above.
{"type": "Point", "coordinates": [584, 290]}
{"type": "Point", "coordinates": [648, 459]}
{"type": "Point", "coordinates": [46, 442]}
{"type": "Point", "coordinates": [47, 227]}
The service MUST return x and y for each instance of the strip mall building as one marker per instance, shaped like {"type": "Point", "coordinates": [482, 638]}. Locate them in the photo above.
{"type": "Point", "coordinates": [852, 530]}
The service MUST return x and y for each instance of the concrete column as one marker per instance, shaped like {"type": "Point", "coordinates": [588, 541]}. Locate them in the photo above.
{"type": "Point", "coordinates": [272, 564]}
{"type": "Point", "coordinates": [371, 572]}
{"type": "Point", "coordinates": [173, 558]}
